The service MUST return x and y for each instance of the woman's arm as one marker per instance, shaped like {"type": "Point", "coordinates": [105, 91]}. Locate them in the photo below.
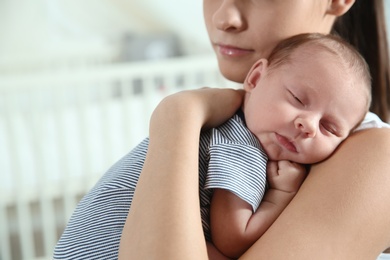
{"type": "Point", "coordinates": [164, 221]}
{"type": "Point", "coordinates": [342, 209]}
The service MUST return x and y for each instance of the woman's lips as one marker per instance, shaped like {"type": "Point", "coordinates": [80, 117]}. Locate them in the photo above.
{"type": "Point", "coordinates": [232, 51]}
{"type": "Point", "coordinates": [286, 143]}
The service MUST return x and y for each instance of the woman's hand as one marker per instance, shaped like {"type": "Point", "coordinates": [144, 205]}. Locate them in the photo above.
{"type": "Point", "coordinates": [205, 107]}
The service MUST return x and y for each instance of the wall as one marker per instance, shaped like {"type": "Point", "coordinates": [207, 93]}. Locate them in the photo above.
{"type": "Point", "coordinates": [55, 31]}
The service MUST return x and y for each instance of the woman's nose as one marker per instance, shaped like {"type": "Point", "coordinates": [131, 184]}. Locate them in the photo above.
{"type": "Point", "coordinates": [307, 126]}
{"type": "Point", "coordinates": [229, 17]}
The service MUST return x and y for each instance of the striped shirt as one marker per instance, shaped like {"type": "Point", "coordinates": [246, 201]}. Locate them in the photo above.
{"type": "Point", "coordinates": [230, 157]}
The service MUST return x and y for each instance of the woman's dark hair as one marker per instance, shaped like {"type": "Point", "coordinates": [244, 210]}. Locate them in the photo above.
{"type": "Point", "coordinates": [364, 26]}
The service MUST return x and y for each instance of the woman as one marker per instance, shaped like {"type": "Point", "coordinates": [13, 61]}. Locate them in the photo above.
{"type": "Point", "coordinates": [341, 210]}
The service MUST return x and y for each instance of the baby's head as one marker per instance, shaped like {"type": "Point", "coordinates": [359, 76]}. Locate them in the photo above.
{"type": "Point", "coordinates": [352, 64]}
{"type": "Point", "coordinates": [306, 98]}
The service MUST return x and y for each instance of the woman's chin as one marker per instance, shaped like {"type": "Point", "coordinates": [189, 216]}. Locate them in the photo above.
{"type": "Point", "coordinates": [233, 72]}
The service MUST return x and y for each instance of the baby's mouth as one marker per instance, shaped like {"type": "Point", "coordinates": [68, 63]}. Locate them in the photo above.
{"type": "Point", "coordinates": [286, 143]}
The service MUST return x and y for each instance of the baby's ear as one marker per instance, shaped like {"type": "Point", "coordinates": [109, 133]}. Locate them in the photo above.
{"type": "Point", "coordinates": [255, 74]}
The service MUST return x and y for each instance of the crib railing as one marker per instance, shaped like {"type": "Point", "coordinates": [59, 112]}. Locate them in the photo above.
{"type": "Point", "coordinates": [60, 131]}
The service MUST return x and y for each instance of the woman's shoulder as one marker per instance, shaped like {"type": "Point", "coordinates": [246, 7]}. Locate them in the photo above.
{"type": "Point", "coordinates": [383, 256]}
{"type": "Point", "coordinates": [372, 121]}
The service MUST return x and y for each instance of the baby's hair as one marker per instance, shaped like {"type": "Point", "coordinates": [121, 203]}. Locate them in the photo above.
{"type": "Point", "coordinates": [353, 63]}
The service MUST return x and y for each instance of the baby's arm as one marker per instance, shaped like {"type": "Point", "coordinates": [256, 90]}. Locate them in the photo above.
{"type": "Point", "coordinates": [234, 226]}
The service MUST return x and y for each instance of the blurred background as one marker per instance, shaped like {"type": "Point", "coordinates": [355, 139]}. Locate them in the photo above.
{"type": "Point", "coordinates": [61, 33]}
{"type": "Point", "coordinates": [78, 82]}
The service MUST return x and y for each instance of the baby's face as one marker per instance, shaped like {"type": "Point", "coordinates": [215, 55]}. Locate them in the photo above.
{"type": "Point", "coordinates": [303, 110]}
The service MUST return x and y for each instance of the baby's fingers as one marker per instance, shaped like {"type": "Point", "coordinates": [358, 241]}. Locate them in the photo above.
{"type": "Point", "coordinates": [291, 167]}
{"type": "Point", "coordinates": [272, 169]}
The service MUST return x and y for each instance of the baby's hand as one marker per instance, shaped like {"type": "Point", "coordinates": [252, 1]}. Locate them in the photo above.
{"type": "Point", "coordinates": [285, 175]}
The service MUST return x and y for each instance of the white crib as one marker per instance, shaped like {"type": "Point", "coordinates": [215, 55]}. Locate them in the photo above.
{"type": "Point", "coordinates": [60, 131]}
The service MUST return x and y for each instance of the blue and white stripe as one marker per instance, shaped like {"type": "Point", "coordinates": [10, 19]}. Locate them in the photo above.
{"type": "Point", "coordinates": [230, 158]}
